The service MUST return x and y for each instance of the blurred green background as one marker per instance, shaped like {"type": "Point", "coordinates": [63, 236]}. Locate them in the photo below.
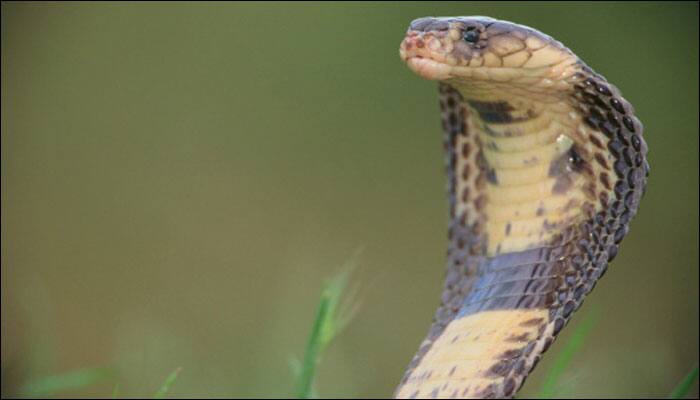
{"type": "Point", "coordinates": [179, 180]}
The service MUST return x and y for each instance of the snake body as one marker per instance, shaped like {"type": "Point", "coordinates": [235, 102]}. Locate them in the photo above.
{"type": "Point", "coordinates": [546, 166]}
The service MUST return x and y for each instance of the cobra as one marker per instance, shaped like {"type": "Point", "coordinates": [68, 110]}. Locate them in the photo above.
{"type": "Point", "coordinates": [546, 166]}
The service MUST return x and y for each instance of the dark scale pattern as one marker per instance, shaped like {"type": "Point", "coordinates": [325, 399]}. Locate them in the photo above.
{"type": "Point", "coordinates": [601, 234]}
{"type": "Point", "coordinates": [465, 240]}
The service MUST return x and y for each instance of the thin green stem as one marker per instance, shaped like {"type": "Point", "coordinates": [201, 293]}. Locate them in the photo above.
{"type": "Point", "coordinates": [565, 356]}
{"type": "Point", "coordinates": [165, 388]}
{"type": "Point", "coordinates": [313, 350]}
{"type": "Point", "coordinates": [681, 390]}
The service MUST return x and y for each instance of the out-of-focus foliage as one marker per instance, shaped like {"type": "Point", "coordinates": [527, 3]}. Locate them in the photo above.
{"type": "Point", "coordinates": [334, 311]}
{"type": "Point", "coordinates": [71, 380]}
{"type": "Point", "coordinates": [179, 179]}
{"type": "Point", "coordinates": [169, 382]}
{"type": "Point", "coordinates": [552, 385]}
{"type": "Point", "coordinates": [681, 390]}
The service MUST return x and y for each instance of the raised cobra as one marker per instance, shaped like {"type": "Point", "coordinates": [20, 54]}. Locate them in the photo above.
{"type": "Point", "coordinates": [546, 166]}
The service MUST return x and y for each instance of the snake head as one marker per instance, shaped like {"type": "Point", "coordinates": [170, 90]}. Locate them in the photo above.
{"type": "Point", "coordinates": [480, 48]}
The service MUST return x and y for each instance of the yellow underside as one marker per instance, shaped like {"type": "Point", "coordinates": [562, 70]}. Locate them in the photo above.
{"type": "Point", "coordinates": [461, 357]}
{"type": "Point", "coordinates": [523, 200]}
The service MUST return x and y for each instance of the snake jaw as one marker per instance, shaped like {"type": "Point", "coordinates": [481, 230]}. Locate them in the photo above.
{"type": "Point", "coordinates": [429, 69]}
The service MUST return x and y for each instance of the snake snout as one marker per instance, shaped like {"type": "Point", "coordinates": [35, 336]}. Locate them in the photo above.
{"type": "Point", "coordinates": [425, 54]}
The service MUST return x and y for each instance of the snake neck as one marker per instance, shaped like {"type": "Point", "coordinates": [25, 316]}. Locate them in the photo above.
{"type": "Point", "coordinates": [540, 196]}
{"type": "Point", "coordinates": [516, 173]}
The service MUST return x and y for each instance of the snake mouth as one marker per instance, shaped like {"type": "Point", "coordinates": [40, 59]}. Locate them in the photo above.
{"type": "Point", "coordinates": [428, 68]}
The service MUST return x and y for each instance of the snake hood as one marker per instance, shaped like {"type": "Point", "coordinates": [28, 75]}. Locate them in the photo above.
{"type": "Point", "coordinates": [448, 48]}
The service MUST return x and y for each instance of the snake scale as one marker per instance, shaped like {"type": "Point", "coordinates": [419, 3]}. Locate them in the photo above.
{"type": "Point", "coordinates": [546, 166]}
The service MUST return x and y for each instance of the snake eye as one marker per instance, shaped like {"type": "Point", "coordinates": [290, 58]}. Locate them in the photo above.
{"type": "Point", "coordinates": [471, 36]}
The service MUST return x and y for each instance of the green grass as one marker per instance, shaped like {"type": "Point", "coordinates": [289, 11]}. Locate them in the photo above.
{"type": "Point", "coordinates": [72, 380]}
{"type": "Point", "coordinates": [115, 391]}
{"type": "Point", "coordinates": [165, 388]}
{"type": "Point", "coordinates": [681, 390]}
{"type": "Point", "coordinates": [332, 315]}
{"type": "Point", "coordinates": [335, 309]}
{"type": "Point", "coordinates": [552, 385]}
{"type": "Point", "coordinates": [81, 378]}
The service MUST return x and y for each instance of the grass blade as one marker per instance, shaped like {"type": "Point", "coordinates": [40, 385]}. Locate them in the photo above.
{"type": "Point", "coordinates": [167, 384]}
{"type": "Point", "coordinates": [115, 391]}
{"type": "Point", "coordinates": [313, 348]}
{"type": "Point", "coordinates": [681, 390]}
{"type": "Point", "coordinates": [72, 380]}
{"type": "Point", "coordinates": [565, 356]}
{"type": "Point", "coordinates": [332, 315]}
